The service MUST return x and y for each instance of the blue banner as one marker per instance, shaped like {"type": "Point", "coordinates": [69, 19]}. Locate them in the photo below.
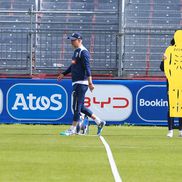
{"type": "Point", "coordinates": [48, 101]}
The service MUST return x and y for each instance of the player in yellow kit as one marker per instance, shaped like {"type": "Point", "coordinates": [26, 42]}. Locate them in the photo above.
{"type": "Point", "coordinates": [173, 72]}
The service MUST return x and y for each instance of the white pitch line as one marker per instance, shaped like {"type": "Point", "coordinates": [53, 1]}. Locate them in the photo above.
{"type": "Point", "coordinates": [112, 163]}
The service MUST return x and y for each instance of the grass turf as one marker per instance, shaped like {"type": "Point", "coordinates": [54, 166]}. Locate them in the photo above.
{"type": "Point", "coordinates": [38, 153]}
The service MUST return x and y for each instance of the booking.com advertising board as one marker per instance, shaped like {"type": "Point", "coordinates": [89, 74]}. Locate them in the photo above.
{"type": "Point", "coordinates": [115, 101]}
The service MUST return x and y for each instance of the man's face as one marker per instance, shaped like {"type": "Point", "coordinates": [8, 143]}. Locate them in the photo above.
{"type": "Point", "coordinates": [76, 43]}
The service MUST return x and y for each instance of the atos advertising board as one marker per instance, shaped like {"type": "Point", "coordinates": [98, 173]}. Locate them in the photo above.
{"type": "Point", "coordinates": [28, 101]}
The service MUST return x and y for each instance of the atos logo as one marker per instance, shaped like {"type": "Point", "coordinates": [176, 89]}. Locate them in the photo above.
{"type": "Point", "coordinates": [37, 101]}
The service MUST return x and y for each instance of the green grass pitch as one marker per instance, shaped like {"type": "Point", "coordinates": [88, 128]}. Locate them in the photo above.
{"type": "Point", "coordinates": [37, 153]}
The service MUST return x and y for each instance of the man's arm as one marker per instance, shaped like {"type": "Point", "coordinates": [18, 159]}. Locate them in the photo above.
{"type": "Point", "coordinates": [61, 75]}
{"type": "Point", "coordinates": [162, 66]}
{"type": "Point", "coordinates": [67, 71]}
{"type": "Point", "coordinates": [85, 56]}
{"type": "Point", "coordinates": [86, 62]}
{"type": "Point", "coordinates": [90, 84]}
{"type": "Point", "coordinates": [162, 62]}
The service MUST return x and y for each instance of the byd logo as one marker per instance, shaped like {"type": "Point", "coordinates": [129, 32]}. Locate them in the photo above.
{"type": "Point", "coordinates": [110, 102]}
{"type": "Point", "coordinates": [37, 101]}
{"type": "Point", "coordinates": [124, 102]}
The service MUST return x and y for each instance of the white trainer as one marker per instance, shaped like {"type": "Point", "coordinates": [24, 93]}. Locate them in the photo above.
{"type": "Point", "coordinates": [68, 132]}
{"type": "Point", "coordinates": [170, 134]}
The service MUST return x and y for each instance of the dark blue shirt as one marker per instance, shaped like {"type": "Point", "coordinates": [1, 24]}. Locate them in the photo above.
{"type": "Point", "coordinates": [80, 67]}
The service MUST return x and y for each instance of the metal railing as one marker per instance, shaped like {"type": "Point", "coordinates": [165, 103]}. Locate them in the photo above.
{"type": "Point", "coordinates": [34, 43]}
{"type": "Point", "coordinates": [14, 51]}
{"type": "Point", "coordinates": [145, 31]}
{"type": "Point", "coordinates": [53, 49]}
{"type": "Point", "coordinates": [125, 41]}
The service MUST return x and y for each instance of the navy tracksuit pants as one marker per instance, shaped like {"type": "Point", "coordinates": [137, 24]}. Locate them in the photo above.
{"type": "Point", "coordinates": [79, 91]}
{"type": "Point", "coordinates": [171, 119]}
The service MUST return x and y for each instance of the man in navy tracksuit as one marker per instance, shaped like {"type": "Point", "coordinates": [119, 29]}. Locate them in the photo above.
{"type": "Point", "coordinates": [81, 81]}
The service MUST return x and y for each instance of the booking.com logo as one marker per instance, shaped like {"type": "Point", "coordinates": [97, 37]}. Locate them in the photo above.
{"type": "Point", "coordinates": [37, 101]}
{"type": "Point", "coordinates": [1, 101]}
{"type": "Point", "coordinates": [151, 103]}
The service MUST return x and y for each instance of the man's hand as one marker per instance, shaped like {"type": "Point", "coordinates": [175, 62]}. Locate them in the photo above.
{"type": "Point", "coordinates": [91, 87]}
{"type": "Point", "coordinates": [60, 77]}
{"type": "Point", "coordinates": [164, 57]}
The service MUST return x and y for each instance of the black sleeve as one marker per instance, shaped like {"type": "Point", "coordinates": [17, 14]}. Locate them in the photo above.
{"type": "Point", "coordinates": [162, 66]}
{"type": "Point", "coordinates": [67, 71]}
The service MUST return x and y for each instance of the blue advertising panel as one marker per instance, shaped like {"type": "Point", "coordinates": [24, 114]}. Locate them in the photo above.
{"type": "Point", "coordinates": [28, 101]}
{"type": "Point", "coordinates": [47, 101]}
{"type": "Point", "coordinates": [149, 103]}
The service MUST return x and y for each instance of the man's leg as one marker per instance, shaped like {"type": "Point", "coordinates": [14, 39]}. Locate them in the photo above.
{"type": "Point", "coordinates": [170, 121]}
{"type": "Point", "coordinates": [180, 127]}
{"type": "Point", "coordinates": [90, 114]}
{"type": "Point", "coordinates": [78, 107]}
{"type": "Point", "coordinates": [76, 116]}
{"type": "Point", "coordinates": [78, 101]}
{"type": "Point", "coordinates": [82, 89]}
